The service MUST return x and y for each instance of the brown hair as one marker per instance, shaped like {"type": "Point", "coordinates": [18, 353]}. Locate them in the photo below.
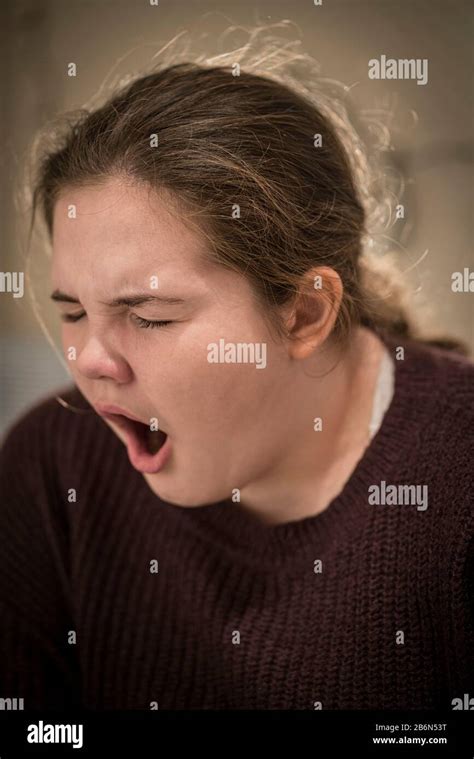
{"type": "Point", "coordinates": [240, 153]}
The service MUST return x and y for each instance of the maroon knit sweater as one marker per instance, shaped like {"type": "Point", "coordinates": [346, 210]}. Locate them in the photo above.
{"type": "Point", "coordinates": [240, 615]}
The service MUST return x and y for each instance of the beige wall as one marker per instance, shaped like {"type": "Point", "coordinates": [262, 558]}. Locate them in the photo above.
{"type": "Point", "coordinates": [39, 38]}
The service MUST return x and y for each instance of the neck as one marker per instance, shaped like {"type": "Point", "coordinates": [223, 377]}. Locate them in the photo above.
{"type": "Point", "coordinates": [314, 464]}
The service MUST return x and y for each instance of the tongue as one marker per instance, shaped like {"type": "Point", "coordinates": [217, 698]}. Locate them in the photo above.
{"type": "Point", "coordinates": [154, 440]}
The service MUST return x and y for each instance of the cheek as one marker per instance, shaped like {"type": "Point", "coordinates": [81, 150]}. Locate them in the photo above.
{"type": "Point", "coordinates": [70, 348]}
{"type": "Point", "coordinates": [194, 393]}
{"type": "Point", "coordinates": [71, 351]}
{"type": "Point", "coordinates": [70, 342]}
{"type": "Point", "coordinates": [185, 372]}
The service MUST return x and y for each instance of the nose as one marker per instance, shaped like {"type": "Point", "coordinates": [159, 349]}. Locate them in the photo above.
{"type": "Point", "coordinates": [97, 361]}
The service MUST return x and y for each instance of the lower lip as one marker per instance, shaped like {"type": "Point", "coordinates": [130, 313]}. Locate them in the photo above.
{"type": "Point", "coordinates": [140, 458]}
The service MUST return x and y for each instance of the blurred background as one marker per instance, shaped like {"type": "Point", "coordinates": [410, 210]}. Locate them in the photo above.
{"type": "Point", "coordinates": [431, 129]}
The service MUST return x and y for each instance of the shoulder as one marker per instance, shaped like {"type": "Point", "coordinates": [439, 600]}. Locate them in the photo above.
{"type": "Point", "coordinates": [453, 371]}
{"type": "Point", "coordinates": [433, 419]}
{"type": "Point", "coordinates": [53, 435]}
{"type": "Point", "coordinates": [37, 447]}
{"type": "Point", "coordinates": [434, 434]}
{"type": "Point", "coordinates": [51, 416]}
{"type": "Point", "coordinates": [35, 419]}
{"type": "Point", "coordinates": [441, 379]}
{"type": "Point", "coordinates": [47, 451]}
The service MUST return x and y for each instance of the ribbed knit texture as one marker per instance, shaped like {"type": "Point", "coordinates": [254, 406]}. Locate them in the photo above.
{"type": "Point", "coordinates": [306, 637]}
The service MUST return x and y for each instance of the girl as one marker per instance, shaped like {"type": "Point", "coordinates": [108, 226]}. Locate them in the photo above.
{"type": "Point", "coordinates": [257, 493]}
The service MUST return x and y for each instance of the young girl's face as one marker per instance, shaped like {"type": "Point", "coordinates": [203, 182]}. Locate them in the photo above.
{"type": "Point", "coordinates": [222, 407]}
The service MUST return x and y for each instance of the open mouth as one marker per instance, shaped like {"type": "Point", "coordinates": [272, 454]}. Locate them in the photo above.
{"type": "Point", "coordinates": [151, 440]}
{"type": "Point", "coordinates": [148, 449]}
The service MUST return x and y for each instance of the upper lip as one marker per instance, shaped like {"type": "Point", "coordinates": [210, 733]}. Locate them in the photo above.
{"type": "Point", "coordinates": [104, 409]}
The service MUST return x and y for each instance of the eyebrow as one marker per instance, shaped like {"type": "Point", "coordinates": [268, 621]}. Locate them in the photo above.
{"type": "Point", "coordinates": [134, 299]}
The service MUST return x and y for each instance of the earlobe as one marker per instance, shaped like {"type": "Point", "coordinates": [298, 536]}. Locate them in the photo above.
{"type": "Point", "coordinates": [314, 311]}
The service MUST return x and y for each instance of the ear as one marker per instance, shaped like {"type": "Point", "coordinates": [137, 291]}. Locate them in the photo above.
{"type": "Point", "coordinates": [314, 311]}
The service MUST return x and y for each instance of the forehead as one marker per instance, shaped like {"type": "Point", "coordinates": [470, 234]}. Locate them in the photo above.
{"type": "Point", "coordinates": [124, 230]}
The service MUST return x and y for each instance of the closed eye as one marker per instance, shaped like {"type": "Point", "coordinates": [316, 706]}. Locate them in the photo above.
{"type": "Point", "coordinates": [142, 323]}
{"type": "Point", "coordinates": [145, 323]}
{"type": "Point", "coordinates": [71, 317]}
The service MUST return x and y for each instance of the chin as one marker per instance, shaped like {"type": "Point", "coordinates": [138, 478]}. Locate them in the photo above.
{"type": "Point", "coordinates": [179, 496]}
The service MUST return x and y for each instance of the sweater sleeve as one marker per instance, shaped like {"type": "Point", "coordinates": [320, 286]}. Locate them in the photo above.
{"type": "Point", "coordinates": [37, 655]}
